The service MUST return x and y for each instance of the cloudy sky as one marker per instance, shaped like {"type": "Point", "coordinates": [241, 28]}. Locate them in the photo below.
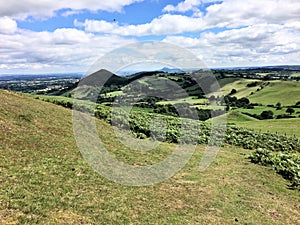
{"type": "Point", "coordinates": [42, 36]}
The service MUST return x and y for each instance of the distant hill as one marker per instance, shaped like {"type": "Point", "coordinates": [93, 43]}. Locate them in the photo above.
{"type": "Point", "coordinates": [171, 70]}
{"type": "Point", "coordinates": [103, 78]}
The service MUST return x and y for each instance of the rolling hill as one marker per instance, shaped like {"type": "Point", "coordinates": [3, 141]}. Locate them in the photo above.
{"type": "Point", "coordinates": [263, 92]}
{"type": "Point", "coordinates": [44, 179]}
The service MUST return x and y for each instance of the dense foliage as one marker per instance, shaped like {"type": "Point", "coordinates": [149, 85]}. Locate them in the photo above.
{"type": "Point", "coordinates": [288, 165]}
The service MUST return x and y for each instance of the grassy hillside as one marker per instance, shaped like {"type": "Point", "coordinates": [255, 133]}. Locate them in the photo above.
{"type": "Point", "coordinates": [44, 179]}
{"type": "Point", "coordinates": [235, 117]}
{"type": "Point", "coordinates": [288, 127]}
{"type": "Point", "coordinates": [285, 92]}
{"type": "Point", "coordinates": [283, 126]}
{"type": "Point", "coordinates": [238, 84]}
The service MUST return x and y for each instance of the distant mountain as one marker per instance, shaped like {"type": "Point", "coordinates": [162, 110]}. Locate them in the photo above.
{"type": "Point", "coordinates": [276, 67]}
{"type": "Point", "coordinates": [285, 67]}
{"type": "Point", "coordinates": [171, 70]}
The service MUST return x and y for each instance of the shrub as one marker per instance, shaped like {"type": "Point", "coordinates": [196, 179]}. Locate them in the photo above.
{"type": "Point", "coordinates": [268, 114]}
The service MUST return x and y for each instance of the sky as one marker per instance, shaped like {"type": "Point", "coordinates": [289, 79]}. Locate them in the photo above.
{"type": "Point", "coordinates": [60, 36]}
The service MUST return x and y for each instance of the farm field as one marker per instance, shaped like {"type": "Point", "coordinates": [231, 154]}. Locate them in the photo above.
{"type": "Point", "coordinates": [283, 126]}
{"type": "Point", "coordinates": [44, 179]}
{"type": "Point", "coordinates": [285, 92]}
{"type": "Point", "coordinates": [289, 127]}
{"type": "Point", "coordinates": [240, 85]}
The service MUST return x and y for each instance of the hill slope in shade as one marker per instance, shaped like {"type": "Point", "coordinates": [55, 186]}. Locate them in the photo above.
{"type": "Point", "coordinates": [44, 179]}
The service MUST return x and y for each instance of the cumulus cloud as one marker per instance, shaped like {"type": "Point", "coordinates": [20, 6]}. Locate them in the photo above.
{"type": "Point", "coordinates": [228, 14]}
{"type": "Point", "coordinates": [166, 24]}
{"type": "Point", "coordinates": [61, 50]}
{"type": "Point", "coordinates": [187, 5]}
{"type": "Point", "coordinates": [69, 36]}
{"type": "Point", "coordinates": [182, 6]}
{"type": "Point", "coordinates": [236, 13]}
{"type": "Point", "coordinates": [254, 45]}
{"type": "Point", "coordinates": [47, 8]}
{"type": "Point", "coordinates": [7, 25]}
{"type": "Point", "coordinates": [228, 33]}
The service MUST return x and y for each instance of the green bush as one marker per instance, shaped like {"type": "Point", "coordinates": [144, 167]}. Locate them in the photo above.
{"type": "Point", "coordinates": [286, 164]}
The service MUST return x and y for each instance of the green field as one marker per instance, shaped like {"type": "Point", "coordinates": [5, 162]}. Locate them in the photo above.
{"type": "Point", "coordinates": [44, 179]}
{"type": "Point", "coordinates": [234, 117]}
{"type": "Point", "coordinates": [241, 86]}
{"type": "Point", "coordinates": [285, 92]}
{"type": "Point", "coordinates": [282, 126]}
{"type": "Point", "coordinates": [191, 100]}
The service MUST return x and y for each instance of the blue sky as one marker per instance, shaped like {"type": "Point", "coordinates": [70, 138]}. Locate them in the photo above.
{"type": "Point", "coordinates": [69, 36]}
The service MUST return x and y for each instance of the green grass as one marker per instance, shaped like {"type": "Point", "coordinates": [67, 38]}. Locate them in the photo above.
{"type": "Point", "coordinates": [49, 97]}
{"type": "Point", "coordinates": [295, 74]}
{"type": "Point", "coordinates": [44, 179]}
{"type": "Point", "coordinates": [241, 86]}
{"type": "Point", "coordinates": [288, 127]}
{"type": "Point", "coordinates": [113, 94]}
{"type": "Point", "coordinates": [227, 81]}
{"type": "Point", "coordinates": [191, 100]}
{"type": "Point", "coordinates": [281, 126]}
{"type": "Point", "coordinates": [285, 92]}
{"type": "Point", "coordinates": [234, 117]}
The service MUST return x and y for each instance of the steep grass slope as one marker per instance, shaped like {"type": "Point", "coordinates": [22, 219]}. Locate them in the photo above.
{"type": "Point", "coordinates": [44, 180]}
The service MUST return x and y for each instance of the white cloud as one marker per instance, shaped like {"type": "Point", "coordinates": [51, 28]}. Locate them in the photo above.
{"type": "Point", "coordinates": [58, 51]}
{"type": "Point", "coordinates": [70, 36]}
{"type": "Point", "coordinates": [187, 5]}
{"type": "Point", "coordinates": [253, 33]}
{"type": "Point", "coordinates": [236, 13]}
{"type": "Point", "coordinates": [166, 24]}
{"type": "Point", "coordinates": [182, 6]}
{"type": "Point", "coordinates": [46, 8]}
{"type": "Point", "coordinates": [228, 14]}
{"type": "Point", "coordinates": [7, 25]}
{"type": "Point", "coordinates": [254, 45]}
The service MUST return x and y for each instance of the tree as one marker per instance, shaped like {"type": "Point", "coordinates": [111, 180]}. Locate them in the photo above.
{"type": "Point", "coordinates": [266, 115]}
{"type": "Point", "coordinates": [233, 91]}
{"type": "Point", "coordinates": [278, 106]}
{"type": "Point", "coordinates": [290, 110]}
{"type": "Point", "coordinates": [212, 98]}
{"type": "Point", "coordinates": [244, 101]}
